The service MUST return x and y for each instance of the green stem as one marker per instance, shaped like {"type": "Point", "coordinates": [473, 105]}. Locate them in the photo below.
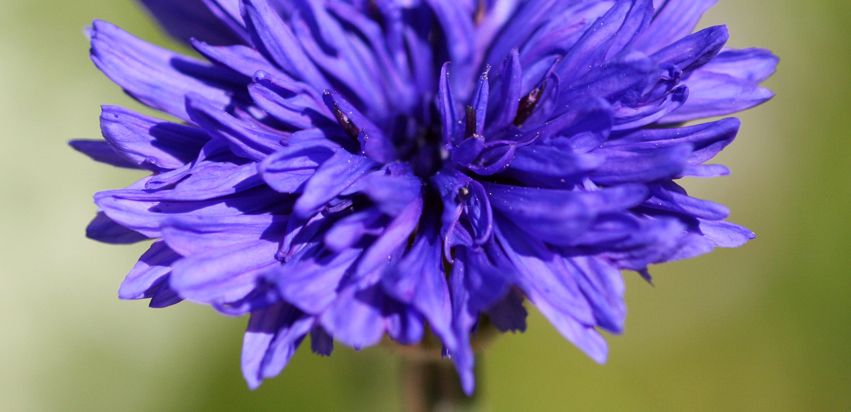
{"type": "Point", "coordinates": [430, 383]}
{"type": "Point", "coordinates": [433, 386]}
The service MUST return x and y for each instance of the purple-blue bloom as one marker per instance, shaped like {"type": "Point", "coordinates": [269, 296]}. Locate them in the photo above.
{"type": "Point", "coordinates": [351, 169]}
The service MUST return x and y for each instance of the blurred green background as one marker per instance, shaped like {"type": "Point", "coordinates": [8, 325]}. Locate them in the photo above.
{"type": "Point", "coordinates": [766, 327]}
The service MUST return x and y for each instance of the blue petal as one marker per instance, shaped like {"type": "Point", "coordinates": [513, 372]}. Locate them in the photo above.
{"type": "Point", "coordinates": [718, 95]}
{"type": "Point", "coordinates": [288, 169]}
{"type": "Point", "coordinates": [463, 320]}
{"type": "Point", "coordinates": [695, 50]}
{"type": "Point", "coordinates": [559, 216]}
{"type": "Point", "coordinates": [191, 19]}
{"type": "Point", "coordinates": [606, 37]}
{"type": "Point", "coordinates": [302, 235]}
{"type": "Point", "coordinates": [150, 142]}
{"type": "Point", "coordinates": [101, 151]}
{"type": "Point", "coordinates": [392, 193]}
{"type": "Point", "coordinates": [585, 128]}
{"type": "Point", "coordinates": [534, 22]}
{"type": "Point", "coordinates": [418, 279]}
{"type": "Point", "coordinates": [157, 77]}
{"type": "Point", "coordinates": [382, 44]}
{"type": "Point", "coordinates": [494, 158]}
{"type": "Point", "coordinates": [334, 176]}
{"type": "Point", "coordinates": [673, 20]}
{"type": "Point", "coordinates": [275, 39]}
{"type": "Point", "coordinates": [247, 139]}
{"type": "Point", "coordinates": [164, 297]}
{"type": "Point", "coordinates": [190, 235]}
{"type": "Point", "coordinates": [641, 166]}
{"type": "Point", "coordinates": [355, 318]}
{"type": "Point", "coordinates": [479, 104]}
{"type": "Point", "coordinates": [710, 234]}
{"type": "Point", "coordinates": [448, 108]}
{"type": "Point", "coordinates": [603, 286]}
{"type": "Point", "coordinates": [670, 197]}
{"type": "Point", "coordinates": [725, 234]}
{"type": "Point", "coordinates": [485, 282]}
{"type": "Point", "coordinates": [151, 271]}
{"type": "Point", "coordinates": [542, 277]}
{"type": "Point", "coordinates": [144, 211]}
{"type": "Point", "coordinates": [207, 180]}
{"type": "Point", "coordinates": [706, 139]}
{"type": "Point", "coordinates": [653, 241]}
{"type": "Point", "coordinates": [223, 275]}
{"type": "Point", "coordinates": [461, 194]}
{"type": "Point", "coordinates": [311, 281]}
{"type": "Point", "coordinates": [755, 65]}
{"type": "Point", "coordinates": [608, 229]}
{"type": "Point", "coordinates": [272, 337]}
{"type": "Point", "coordinates": [479, 213]}
{"type": "Point", "coordinates": [349, 230]}
{"type": "Point", "coordinates": [263, 296]}
{"type": "Point", "coordinates": [545, 165]}
{"type": "Point", "coordinates": [291, 103]}
{"type": "Point", "coordinates": [706, 171]}
{"type": "Point", "coordinates": [496, 15]}
{"type": "Point", "coordinates": [391, 242]}
{"type": "Point", "coordinates": [241, 59]}
{"type": "Point", "coordinates": [374, 143]}
{"type": "Point", "coordinates": [509, 313]}
{"type": "Point", "coordinates": [546, 101]}
{"type": "Point", "coordinates": [630, 118]}
{"type": "Point", "coordinates": [727, 85]}
{"type": "Point", "coordinates": [104, 229]}
{"type": "Point", "coordinates": [403, 324]}
{"type": "Point", "coordinates": [467, 151]}
{"type": "Point", "coordinates": [624, 80]}
{"type": "Point", "coordinates": [321, 342]}
{"type": "Point", "coordinates": [228, 12]}
{"type": "Point", "coordinates": [459, 35]}
{"type": "Point", "coordinates": [335, 53]}
{"type": "Point", "coordinates": [509, 91]}
{"type": "Point", "coordinates": [542, 273]}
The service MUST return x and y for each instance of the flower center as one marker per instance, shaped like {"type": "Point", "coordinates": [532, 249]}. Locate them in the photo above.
{"type": "Point", "coordinates": [417, 139]}
{"type": "Point", "coordinates": [424, 151]}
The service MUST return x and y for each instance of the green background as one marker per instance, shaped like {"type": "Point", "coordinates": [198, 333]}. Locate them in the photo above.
{"type": "Point", "coordinates": [765, 327]}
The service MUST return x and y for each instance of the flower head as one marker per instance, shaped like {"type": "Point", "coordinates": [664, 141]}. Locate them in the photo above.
{"type": "Point", "coordinates": [351, 169]}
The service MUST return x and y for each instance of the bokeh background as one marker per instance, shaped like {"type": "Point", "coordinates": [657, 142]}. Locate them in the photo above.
{"type": "Point", "coordinates": [766, 327]}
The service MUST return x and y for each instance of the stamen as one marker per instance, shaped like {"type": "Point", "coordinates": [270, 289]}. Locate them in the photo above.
{"type": "Point", "coordinates": [346, 123]}
{"type": "Point", "coordinates": [470, 129]}
{"type": "Point", "coordinates": [480, 13]}
{"type": "Point", "coordinates": [528, 104]}
{"type": "Point", "coordinates": [462, 195]}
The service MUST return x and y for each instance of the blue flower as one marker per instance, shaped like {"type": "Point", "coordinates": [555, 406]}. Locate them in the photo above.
{"type": "Point", "coordinates": [351, 169]}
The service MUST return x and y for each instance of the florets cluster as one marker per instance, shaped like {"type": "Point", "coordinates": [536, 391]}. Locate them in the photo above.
{"type": "Point", "coordinates": [351, 169]}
